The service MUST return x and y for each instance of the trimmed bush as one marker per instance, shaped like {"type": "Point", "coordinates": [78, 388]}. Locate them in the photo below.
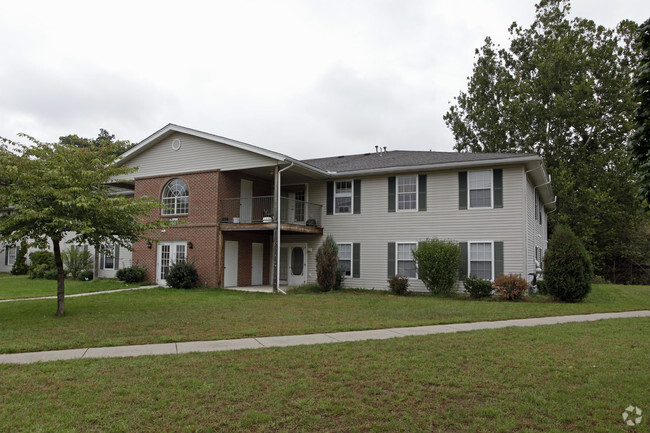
{"type": "Point", "coordinates": [340, 278]}
{"type": "Point", "coordinates": [327, 262]}
{"type": "Point", "coordinates": [20, 265]}
{"type": "Point", "coordinates": [42, 265]}
{"type": "Point", "coordinates": [567, 267]}
{"type": "Point", "coordinates": [77, 260]}
{"type": "Point", "coordinates": [42, 258]}
{"type": "Point", "coordinates": [510, 287]}
{"type": "Point", "coordinates": [133, 274]}
{"type": "Point", "coordinates": [399, 285]}
{"type": "Point", "coordinates": [42, 271]}
{"type": "Point", "coordinates": [541, 287]}
{"type": "Point", "coordinates": [86, 275]}
{"type": "Point", "coordinates": [478, 287]}
{"type": "Point", "coordinates": [182, 275]}
{"type": "Point", "coordinates": [438, 264]}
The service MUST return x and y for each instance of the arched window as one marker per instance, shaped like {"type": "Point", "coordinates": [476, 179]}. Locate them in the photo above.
{"type": "Point", "coordinates": [176, 196]}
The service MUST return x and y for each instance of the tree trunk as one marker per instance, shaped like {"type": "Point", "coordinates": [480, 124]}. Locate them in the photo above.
{"type": "Point", "coordinates": [60, 279]}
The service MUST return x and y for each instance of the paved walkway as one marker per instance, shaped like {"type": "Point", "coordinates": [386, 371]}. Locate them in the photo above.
{"type": "Point", "coordinates": [297, 340]}
{"type": "Point", "coordinates": [78, 294]}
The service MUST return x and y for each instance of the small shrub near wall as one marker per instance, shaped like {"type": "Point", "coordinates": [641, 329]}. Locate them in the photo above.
{"type": "Point", "coordinates": [438, 264]}
{"type": "Point", "coordinates": [478, 287]}
{"type": "Point", "coordinates": [567, 267]}
{"type": "Point", "coordinates": [510, 287]}
{"type": "Point", "coordinates": [340, 278]}
{"type": "Point", "coordinates": [183, 275]}
{"type": "Point", "coordinates": [20, 266]}
{"type": "Point", "coordinates": [399, 285]}
{"type": "Point", "coordinates": [133, 274]}
{"type": "Point", "coordinates": [86, 275]}
{"type": "Point", "coordinates": [327, 262]}
{"type": "Point", "coordinates": [77, 260]}
{"type": "Point", "coordinates": [42, 265]}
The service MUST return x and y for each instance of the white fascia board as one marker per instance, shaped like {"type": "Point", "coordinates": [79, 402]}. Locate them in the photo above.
{"type": "Point", "coordinates": [153, 138]}
{"type": "Point", "coordinates": [434, 167]}
{"type": "Point", "coordinates": [306, 166]}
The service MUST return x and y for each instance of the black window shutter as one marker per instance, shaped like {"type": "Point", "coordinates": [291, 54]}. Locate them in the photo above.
{"type": "Point", "coordinates": [357, 196]}
{"type": "Point", "coordinates": [498, 259]}
{"type": "Point", "coordinates": [497, 174]}
{"type": "Point", "coordinates": [6, 256]}
{"type": "Point", "coordinates": [116, 259]}
{"type": "Point", "coordinates": [463, 260]}
{"type": "Point", "coordinates": [391, 259]}
{"type": "Point", "coordinates": [101, 261]}
{"type": "Point", "coordinates": [422, 192]}
{"type": "Point", "coordinates": [391, 194]}
{"type": "Point", "coordinates": [462, 190]}
{"type": "Point", "coordinates": [356, 260]}
{"type": "Point", "coordinates": [540, 210]}
{"type": "Point", "coordinates": [536, 204]}
{"type": "Point", "coordinates": [330, 198]}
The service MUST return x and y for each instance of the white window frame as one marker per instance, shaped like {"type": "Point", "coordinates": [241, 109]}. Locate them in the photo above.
{"type": "Point", "coordinates": [174, 211]}
{"type": "Point", "coordinates": [351, 259]}
{"type": "Point", "coordinates": [350, 194]}
{"type": "Point", "coordinates": [172, 245]}
{"type": "Point", "coordinates": [469, 256]}
{"type": "Point", "coordinates": [9, 250]}
{"type": "Point", "coordinates": [469, 189]}
{"type": "Point", "coordinates": [397, 260]}
{"type": "Point", "coordinates": [397, 193]}
{"type": "Point", "coordinates": [111, 256]}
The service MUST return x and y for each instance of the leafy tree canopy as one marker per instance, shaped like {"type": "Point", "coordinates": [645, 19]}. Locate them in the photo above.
{"type": "Point", "coordinates": [56, 189]}
{"type": "Point", "coordinates": [563, 89]}
{"type": "Point", "coordinates": [640, 142]}
{"type": "Point", "coordinates": [104, 138]}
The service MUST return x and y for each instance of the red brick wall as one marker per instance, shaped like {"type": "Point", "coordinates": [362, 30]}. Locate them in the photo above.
{"type": "Point", "coordinates": [198, 226]}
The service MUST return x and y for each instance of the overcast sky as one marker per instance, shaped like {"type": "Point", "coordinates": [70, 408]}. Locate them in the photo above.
{"type": "Point", "coordinates": [305, 78]}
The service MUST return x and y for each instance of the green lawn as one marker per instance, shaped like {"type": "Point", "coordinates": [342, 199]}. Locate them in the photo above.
{"type": "Point", "coordinates": [168, 315]}
{"type": "Point", "coordinates": [19, 286]}
{"type": "Point", "coordinates": [561, 378]}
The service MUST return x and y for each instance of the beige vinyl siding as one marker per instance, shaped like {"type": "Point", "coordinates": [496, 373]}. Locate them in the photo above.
{"type": "Point", "coordinates": [537, 236]}
{"type": "Point", "coordinates": [195, 154]}
{"type": "Point", "coordinates": [375, 227]}
{"type": "Point", "coordinates": [125, 261]}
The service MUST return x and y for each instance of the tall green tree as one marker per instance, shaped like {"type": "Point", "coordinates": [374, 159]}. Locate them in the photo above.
{"type": "Point", "coordinates": [57, 189]}
{"type": "Point", "coordinates": [104, 138]}
{"type": "Point", "coordinates": [562, 89]}
{"type": "Point", "coordinates": [640, 142]}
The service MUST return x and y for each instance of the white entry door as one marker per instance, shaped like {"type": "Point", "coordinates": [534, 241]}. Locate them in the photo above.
{"type": "Point", "coordinates": [246, 201]}
{"type": "Point", "coordinates": [168, 254]}
{"type": "Point", "coordinates": [230, 263]}
{"type": "Point", "coordinates": [297, 264]}
{"type": "Point", "coordinates": [257, 264]}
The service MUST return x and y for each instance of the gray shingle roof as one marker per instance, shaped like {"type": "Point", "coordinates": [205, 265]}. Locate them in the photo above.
{"type": "Point", "coordinates": [402, 158]}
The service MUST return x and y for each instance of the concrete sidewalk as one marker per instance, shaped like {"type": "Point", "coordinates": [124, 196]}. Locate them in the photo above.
{"type": "Point", "coordinates": [38, 298]}
{"type": "Point", "coordinates": [297, 340]}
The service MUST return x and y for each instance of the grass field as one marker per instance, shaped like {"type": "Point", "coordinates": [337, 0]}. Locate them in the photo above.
{"type": "Point", "coordinates": [560, 378]}
{"type": "Point", "coordinates": [19, 286]}
{"type": "Point", "coordinates": [168, 315]}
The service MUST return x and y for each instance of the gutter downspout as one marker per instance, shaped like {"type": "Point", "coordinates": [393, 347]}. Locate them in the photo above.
{"type": "Point", "coordinates": [277, 274]}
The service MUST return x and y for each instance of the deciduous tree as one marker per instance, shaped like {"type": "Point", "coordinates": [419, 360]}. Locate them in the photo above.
{"type": "Point", "coordinates": [640, 142]}
{"type": "Point", "coordinates": [563, 89]}
{"type": "Point", "coordinates": [59, 189]}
